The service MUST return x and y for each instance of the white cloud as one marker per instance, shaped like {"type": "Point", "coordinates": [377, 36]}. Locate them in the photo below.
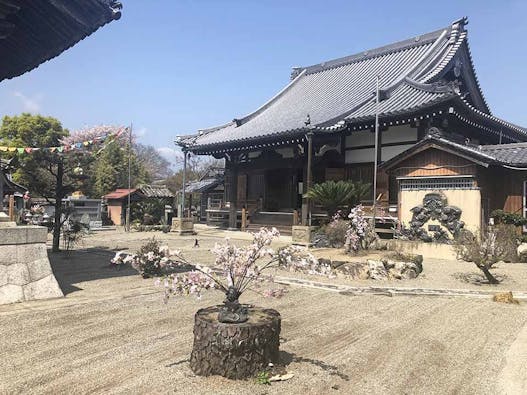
{"type": "Point", "coordinates": [140, 132]}
{"type": "Point", "coordinates": [30, 104]}
{"type": "Point", "coordinates": [173, 155]}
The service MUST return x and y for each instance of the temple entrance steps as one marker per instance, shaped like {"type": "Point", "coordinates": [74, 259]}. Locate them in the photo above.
{"type": "Point", "coordinates": [281, 220]}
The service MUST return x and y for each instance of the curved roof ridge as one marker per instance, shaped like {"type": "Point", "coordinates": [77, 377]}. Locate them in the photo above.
{"type": "Point", "coordinates": [242, 120]}
{"type": "Point", "coordinates": [377, 52]}
{"type": "Point", "coordinates": [491, 117]}
{"type": "Point", "coordinates": [459, 36]}
{"type": "Point", "coordinates": [427, 56]}
{"type": "Point", "coordinates": [476, 77]}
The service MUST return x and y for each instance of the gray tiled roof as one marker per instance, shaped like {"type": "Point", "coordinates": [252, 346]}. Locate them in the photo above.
{"type": "Point", "coordinates": [342, 90]}
{"type": "Point", "coordinates": [155, 191]}
{"type": "Point", "coordinates": [202, 185]}
{"type": "Point", "coordinates": [405, 97]}
{"type": "Point", "coordinates": [511, 154]}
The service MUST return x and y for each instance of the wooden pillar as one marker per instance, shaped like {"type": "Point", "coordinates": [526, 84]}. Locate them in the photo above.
{"type": "Point", "coordinates": [244, 219]}
{"type": "Point", "coordinates": [306, 207]}
{"type": "Point", "coordinates": [182, 213]}
{"type": "Point", "coordinates": [11, 207]}
{"type": "Point", "coordinates": [233, 198]}
{"type": "Point", "coordinates": [1, 192]}
{"type": "Point", "coordinates": [295, 217]}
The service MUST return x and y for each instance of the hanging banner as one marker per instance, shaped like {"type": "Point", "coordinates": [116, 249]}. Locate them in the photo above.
{"type": "Point", "coordinates": [65, 148]}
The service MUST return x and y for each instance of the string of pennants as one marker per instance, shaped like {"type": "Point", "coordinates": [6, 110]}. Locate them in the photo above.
{"type": "Point", "coordinates": [64, 148]}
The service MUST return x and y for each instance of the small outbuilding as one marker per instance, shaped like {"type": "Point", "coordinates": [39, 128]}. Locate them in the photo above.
{"type": "Point", "coordinates": [443, 185]}
{"type": "Point", "coordinates": [210, 190]}
{"type": "Point", "coordinates": [117, 201]}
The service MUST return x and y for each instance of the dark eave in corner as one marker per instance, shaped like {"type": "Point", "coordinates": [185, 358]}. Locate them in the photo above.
{"type": "Point", "coordinates": [35, 31]}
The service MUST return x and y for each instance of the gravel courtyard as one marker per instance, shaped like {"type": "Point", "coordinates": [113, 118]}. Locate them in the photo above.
{"type": "Point", "coordinates": [113, 334]}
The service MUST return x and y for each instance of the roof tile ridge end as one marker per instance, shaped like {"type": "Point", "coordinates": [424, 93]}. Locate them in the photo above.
{"type": "Point", "coordinates": [456, 39]}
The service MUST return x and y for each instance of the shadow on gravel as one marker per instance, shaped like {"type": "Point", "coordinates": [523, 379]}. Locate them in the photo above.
{"type": "Point", "coordinates": [84, 265]}
{"type": "Point", "coordinates": [478, 278]}
{"type": "Point", "coordinates": [286, 358]}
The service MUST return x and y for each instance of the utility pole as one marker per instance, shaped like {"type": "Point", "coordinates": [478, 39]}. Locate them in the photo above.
{"type": "Point", "coordinates": [374, 207]}
{"type": "Point", "coordinates": [129, 178]}
{"type": "Point", "coordinates": [309, 174]}
{"type": "Point", "coordinates": [182, 214]}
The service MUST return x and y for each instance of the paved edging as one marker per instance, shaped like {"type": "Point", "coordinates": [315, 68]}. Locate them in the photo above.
{"type": "Point", "coordinates": [393, 291]}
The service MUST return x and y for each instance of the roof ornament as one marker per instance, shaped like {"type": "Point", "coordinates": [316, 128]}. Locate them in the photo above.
{"type": "Point", "coordinates": [116, 7]}
{"type": "Point", "coordinates": [434, 132]}
{"type": "Point", "coordinates": [307, 122]}
{"type": "Point", "coordinates": [295, 72]}
{"type": "Point", "coordinates": [457, 28]}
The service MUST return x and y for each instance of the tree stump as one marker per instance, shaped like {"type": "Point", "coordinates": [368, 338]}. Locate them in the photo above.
{"type": "Point", "coordinates": [235, 351]}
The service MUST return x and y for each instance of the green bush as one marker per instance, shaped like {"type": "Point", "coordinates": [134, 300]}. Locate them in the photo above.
{"type": "Point", "coordinates": [333, 196]}
{"type": "Point", "coordinates": [503, 217]}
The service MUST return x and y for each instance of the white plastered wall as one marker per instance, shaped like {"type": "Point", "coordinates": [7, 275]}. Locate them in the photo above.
{"type": "Point", "coordinates": [468, 200]}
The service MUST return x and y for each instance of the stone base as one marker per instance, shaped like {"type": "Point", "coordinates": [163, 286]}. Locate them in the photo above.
{"type": "Point", "coordinates": [25, 271]}
{"type": "Point", "coordinates": [235, 351]}
{"type": "Point", "coordinates": [302, 235]}
{"type": "Point", "coordinates": [184, 226]}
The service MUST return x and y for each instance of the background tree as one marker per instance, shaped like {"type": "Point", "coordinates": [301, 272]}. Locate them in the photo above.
{"type": "Point", "coordinates": [44, 173]}
{"type": "Point", "coordinates": [154, 165]}
{"type": "Point", "coordinates": [196, 168]}
{"type": "Point", "coordinates": [110, 171]}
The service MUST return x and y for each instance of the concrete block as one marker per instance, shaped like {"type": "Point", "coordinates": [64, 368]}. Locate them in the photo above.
{"type": "Point", "coordinates": [3, 275]}
{"type": "Point", "coordinates": [18, 274]}
{"type": "Point", "coordinates": [13, 235]}
{"type": "Point", "coordinates": [8, 254]}
{"type": "Point", "coordinates": [183, 225]}
{"type": "Point", "coordinates": [39, 269]}
{"type": "Point", "coordinates": [11, 294]}
{"type": "Point", "coordinates": [44, 288]}
{"type": "Point", "coordinates": [31, 252]}
{"type": "Point", "coordinates": [36, 234]}
{"type": "Point", "coordinates": [302, 234]}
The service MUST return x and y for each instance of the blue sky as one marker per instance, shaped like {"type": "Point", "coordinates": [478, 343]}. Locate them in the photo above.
{"type": "Point", "coordinates": [171, 67]}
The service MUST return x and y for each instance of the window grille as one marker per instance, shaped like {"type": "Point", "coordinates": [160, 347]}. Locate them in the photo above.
{"type": "Point", "coordinates": [415, 184]}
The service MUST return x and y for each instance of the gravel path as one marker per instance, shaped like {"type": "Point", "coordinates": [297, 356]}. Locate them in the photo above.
{"type": "Point", "coordinates": [112, 334]}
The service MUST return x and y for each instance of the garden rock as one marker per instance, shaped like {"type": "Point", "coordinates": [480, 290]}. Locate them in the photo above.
{"type": "Point", "coordinates": [522, 252]}
{"type": "Point", "coordinates": [384, 269]}
{"type": "Point", "coordinates": [377, 270]}
{"type": "Point", "coordinates": [355, 270]}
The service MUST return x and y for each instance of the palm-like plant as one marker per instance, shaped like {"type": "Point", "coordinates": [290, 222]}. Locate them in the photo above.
{"type": "Point", "coordinates": [333, 196]}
